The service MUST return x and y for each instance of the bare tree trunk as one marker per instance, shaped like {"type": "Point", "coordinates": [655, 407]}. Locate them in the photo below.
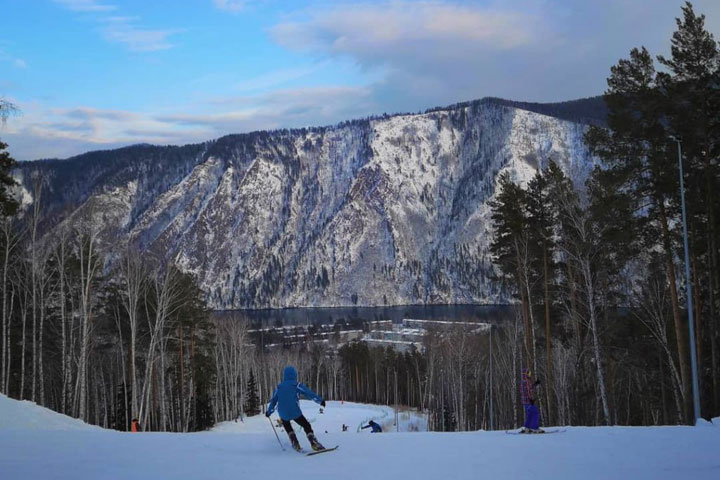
{"type": "Point", "coordinates": [653, 305]}
{"type": "Point", "coordinates": [41, 374]}
{"type": "Point", "coordinates": [35, 219]}
{"type": "Point", "coordinates": [165, 286]}
{"type": "Point", "coordinates": [679, 330]}
{"type": "Point", "coordinates": [89, 266]}
{"type": "Point", "coordinates": [580, 249]}
{"type": "Point", "coordinates": [181, 380]}
{"type": "Point", "coordinates": [9, 358]}
{"type": "Point", "coordinates": [10, 242]}
{"type": "Point", "coordinates": [596, 344]}
{"type": "Point", "coordinates": [133, 275]}
{"type": "Point", "coordinates": [23, 348]}
{"type": "Point", "coordinates": [548, 343]}
{"type": "Point", "coordinates": [60, 258]}
{"type": "Point", "coordinates": [525, 299]}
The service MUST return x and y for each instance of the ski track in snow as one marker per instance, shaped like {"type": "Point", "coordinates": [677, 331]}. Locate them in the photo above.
{"type": "Point", "coordinates": [36, 443]}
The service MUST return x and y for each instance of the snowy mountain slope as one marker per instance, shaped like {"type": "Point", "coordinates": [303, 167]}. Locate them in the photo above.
{"type": "Point", "coordinates": [392, 210]}
{"type": "Point", "coordinates": [653, 453]}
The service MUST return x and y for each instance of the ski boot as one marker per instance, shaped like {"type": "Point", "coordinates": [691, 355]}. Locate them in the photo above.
{"type": "Point", "coordinates": [294, 441]}
{"type": "Point", "coordinates": [314, 442]}
{"type": "Point", "coordinates": [525, 430]}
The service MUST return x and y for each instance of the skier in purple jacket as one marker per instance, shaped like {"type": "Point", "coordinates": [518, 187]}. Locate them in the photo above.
{"type": "Point", "coordinates": [288, 406]}
{"type": "Point", "coordinates": [532, 412]}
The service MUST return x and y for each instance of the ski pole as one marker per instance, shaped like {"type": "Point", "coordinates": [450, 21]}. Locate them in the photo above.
{"type": "Point", "coordinates": [276, 435]}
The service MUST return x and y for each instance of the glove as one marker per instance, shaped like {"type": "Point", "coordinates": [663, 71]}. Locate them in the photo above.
{"type": "Point", "coordinates": [268, 413]}
{"type": "Point", "coordinates": [322, 404]}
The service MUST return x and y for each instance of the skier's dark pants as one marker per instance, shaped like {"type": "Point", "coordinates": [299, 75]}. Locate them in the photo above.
{"type": "Point", "coordinates": [302, 421]}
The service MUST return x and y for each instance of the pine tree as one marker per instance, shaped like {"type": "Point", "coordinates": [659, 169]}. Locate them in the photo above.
{"type": "Point", "coordinates": [692, 98]}
{"type": "Point", "coordinates": [510, 249]}
{"type": "Point", "coordinates": [635, 150]}
{"type": "Point", "coordinates": [542, 216]}
{"type": "Point", "coordinates": [252, 403]}
{"type": "Point", "coordinates": [8, 205]}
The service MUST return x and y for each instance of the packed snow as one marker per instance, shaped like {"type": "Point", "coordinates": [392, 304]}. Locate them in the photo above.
{"type": "Point", "coordinates": [37, 444]}
{"type": "Point", "coordinates": [333, 417]}
{"type": "Point", "coordinates": [25, 415]}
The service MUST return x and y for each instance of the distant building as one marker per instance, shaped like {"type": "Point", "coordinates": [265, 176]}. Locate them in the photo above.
{"type": "Point", "coordinates": [380, 333]}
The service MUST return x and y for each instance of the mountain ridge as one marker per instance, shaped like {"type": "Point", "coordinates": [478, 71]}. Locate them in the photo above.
{"type": "Point", "coordinates": [379, 211]}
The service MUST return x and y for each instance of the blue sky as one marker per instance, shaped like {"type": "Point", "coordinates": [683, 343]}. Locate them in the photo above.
{"type": "Point", "coordinates": [94, 74]}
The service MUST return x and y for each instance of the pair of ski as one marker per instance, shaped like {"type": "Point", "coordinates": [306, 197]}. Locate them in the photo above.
{"type": "Point", "coordinates": [315, 452]}
{"type": "Point", "coordinates": [515, 432]}
{"type": "Point", "coordinates": [324, 450]}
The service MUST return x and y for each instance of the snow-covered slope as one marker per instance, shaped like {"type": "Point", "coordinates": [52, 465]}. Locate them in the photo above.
{"type": "Point", "coordinates": [26, 415]}
{"type": "Point", "coordinates": [333, 417]}
{"type": "Point", "coordinates": [387, 211]}
{"type": "Point", "coordinates": [653, 453]}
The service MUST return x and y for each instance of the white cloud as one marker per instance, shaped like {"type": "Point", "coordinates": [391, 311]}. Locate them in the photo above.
{"type": "Point", "coordinates": [438, 52]}
{"type": "Point", "coordinates": [123, 30]}
{"type": "Point", "coordinates": [375, 33]}
{"type": "Point", "coordinates": [426, 53]}
{"type": "Point", "coordinates": [230, 5]}
{"type": "Point", "coordinates": [14, 61]}
{"type": "Point", "coordinates": [277, 77]}
{"type": "Point", "coordinates": [86, 5]}
{"type": "Point", "coordinates": [60, 132]}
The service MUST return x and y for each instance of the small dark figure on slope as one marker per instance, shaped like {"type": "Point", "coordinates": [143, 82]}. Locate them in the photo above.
{"type": "Point", "coordinates": [375, 427]}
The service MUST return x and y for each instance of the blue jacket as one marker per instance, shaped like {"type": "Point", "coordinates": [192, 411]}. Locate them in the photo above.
{"type": "Point", "coordinates": [375, 427]}
{"type": "Point", "coordinates": [286, 396]}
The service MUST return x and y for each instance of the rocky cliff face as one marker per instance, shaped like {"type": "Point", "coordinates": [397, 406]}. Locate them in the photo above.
{"type": "Point", "coordinates": [386, 211]}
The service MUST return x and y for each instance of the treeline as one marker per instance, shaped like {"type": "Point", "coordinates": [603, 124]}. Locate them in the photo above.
{"type": "Point", "coordinates": [598, 268]}
{"type": "Point", "coordinates": [99, 340]}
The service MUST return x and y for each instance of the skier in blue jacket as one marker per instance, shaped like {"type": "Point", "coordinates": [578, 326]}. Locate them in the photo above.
{"type": "Point", "coordinates": [375, 427]}
{"type": "Point", "coordinates": [288, 406]}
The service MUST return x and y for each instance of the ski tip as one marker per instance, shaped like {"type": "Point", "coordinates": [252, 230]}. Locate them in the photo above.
{"type": "Point", "coordinates": [323, 451]}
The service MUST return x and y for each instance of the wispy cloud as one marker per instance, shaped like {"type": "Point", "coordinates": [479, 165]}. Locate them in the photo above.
{"type": "Point", "coordinates": [438, 52]}
{"type": "Point", "coordinates": [230, 5]}
{"type": "Point", "coordinates": [277, 78]}
{"type": "Point", "coordinates": [14, 61]}
{"type": "Point", "coordinates": [86, 5]}
{"type": "Point", "coordinates": [371, 32]}
{"type": "Point", "coordinates": [426, 53]}
{"type": "Point", "coordinates": [122, 30]}
{"type": "Point", "coordinates": [61, 132]}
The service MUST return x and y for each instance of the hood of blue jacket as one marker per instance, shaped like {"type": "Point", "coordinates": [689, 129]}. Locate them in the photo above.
{"type": "Point", "coordinates": [290, 374]}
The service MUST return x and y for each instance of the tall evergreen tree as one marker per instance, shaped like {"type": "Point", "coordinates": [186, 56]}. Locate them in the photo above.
{"type": "Point", "coordinates": [252, 403]}
{"type": "Point", "coordinates": [510, 249]}
{"type": "Point", "coordinates": [542, 216]}
{"type": "Point", "coordinates": [692, 99]}
{"type": "Point", "coordinates": [8, 204]}
{"type": "Point", "coordinates": [634, 149]}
